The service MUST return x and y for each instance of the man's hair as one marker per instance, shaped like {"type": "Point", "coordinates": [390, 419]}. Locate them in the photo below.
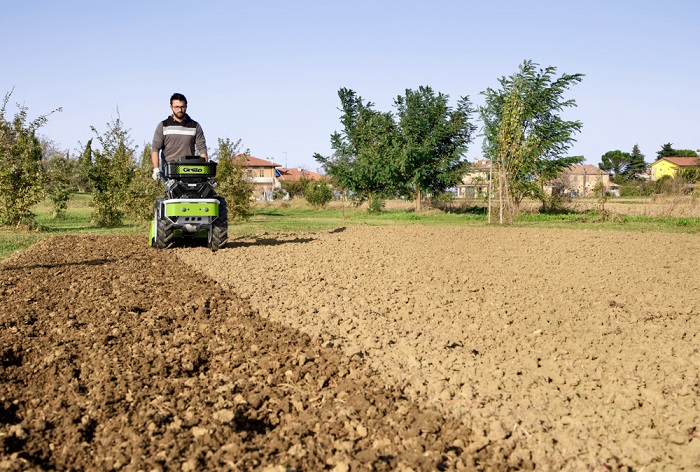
{"type": "Point", "coordinates": [178, 96]}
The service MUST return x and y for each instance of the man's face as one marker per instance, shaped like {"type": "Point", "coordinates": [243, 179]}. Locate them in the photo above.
{"type": "Point", "coordinates": [179, 108]}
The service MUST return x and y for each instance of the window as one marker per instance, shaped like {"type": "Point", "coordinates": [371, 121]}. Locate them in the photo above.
{"type": "Point", "coordinates": [262, 172]}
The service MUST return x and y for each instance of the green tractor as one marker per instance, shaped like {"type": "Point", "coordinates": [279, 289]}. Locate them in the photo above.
{"type": "Point", "coordinates": [190, 210]}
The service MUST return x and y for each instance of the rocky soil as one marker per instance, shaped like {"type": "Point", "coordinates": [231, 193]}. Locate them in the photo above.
{"type": "Point", "coordinates": [558, 349]}
{"type": "Point", "coordinates": [361, 348]}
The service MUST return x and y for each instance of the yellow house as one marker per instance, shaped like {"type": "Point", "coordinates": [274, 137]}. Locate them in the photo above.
{"type": "Point", "coordinates": [671, 166]}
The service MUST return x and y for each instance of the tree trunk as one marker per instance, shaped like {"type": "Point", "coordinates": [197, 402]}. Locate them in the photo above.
{"type": "Point", "coordinates": [418, 195]}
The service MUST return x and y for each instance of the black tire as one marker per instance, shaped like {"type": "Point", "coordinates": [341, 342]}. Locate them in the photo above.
{"type": "Point", "coordinates": [218, 235]}
{"type": "Point", "coordinates": [164, 228]}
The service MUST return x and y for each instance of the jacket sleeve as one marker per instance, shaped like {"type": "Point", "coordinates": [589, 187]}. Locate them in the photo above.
{"type": "Point", "coordinates": [158, 140]}
{"type": "Point", "coordinates": [200, 142]}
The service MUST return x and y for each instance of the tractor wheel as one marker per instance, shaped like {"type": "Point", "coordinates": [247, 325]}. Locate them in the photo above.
{"type": "Point", "coordinates": [164, 229]}
{"type": "Point", "coordinates": [219, 229]}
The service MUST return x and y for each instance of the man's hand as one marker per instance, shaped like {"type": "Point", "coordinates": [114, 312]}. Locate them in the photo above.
{"type": "Point", "coordinates": [156, 174]}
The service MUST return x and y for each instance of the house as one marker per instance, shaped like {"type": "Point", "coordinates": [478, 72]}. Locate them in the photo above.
{"type": "Point", "coordinates": [292, 174]}
{"type": "Point", "coordinates": [580, 180]}
{"type": "Point", "coordinates": [672, 165]}
{"type": "Point", "coordinates": [264, 176]}
{"type": "Point", "coordinates": [475, 183]}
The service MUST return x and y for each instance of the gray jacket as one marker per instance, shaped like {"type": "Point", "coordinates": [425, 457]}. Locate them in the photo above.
{"type": "Point", "coordinates": [176, 140]}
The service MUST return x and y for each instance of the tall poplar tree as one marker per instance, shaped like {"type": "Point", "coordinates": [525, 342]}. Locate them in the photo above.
{"type": "Point", "coordinates": [525, 136]}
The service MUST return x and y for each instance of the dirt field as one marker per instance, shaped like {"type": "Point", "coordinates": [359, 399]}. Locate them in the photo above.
{"type": "Point", "coordinates": [362, 348]}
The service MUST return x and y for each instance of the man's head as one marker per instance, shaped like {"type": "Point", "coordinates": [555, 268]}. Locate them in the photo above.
{"type": "Point", "coordinates": [178, 103]}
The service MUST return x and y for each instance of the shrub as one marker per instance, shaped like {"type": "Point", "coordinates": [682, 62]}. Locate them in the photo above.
{"type": "Point", "coordinates": [296, 188]}
{"type": "Point", "coordinates": [232, 181]}
{"type": "Point", "coordinates": [110, 174]}
{"type": "Point", "coordinates": [376, 205]}
{"type": "Point", "coordinates": [21, 172]}
{"type": "Point", "coordinates": [318, 194]}
{"type": "Point", "coordinates": [143, 190]}
{"type": "Point", "coordinates": [59, 171]}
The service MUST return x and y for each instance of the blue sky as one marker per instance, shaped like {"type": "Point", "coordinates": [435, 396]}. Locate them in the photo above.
{"type": "Point", "coordinates": [268, 72]}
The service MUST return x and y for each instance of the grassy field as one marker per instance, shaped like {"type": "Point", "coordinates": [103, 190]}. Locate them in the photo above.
{"type": "Point", "coordinates": [657, 215]}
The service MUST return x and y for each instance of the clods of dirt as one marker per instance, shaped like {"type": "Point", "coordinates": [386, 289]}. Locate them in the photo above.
{"type": "Point", "coordinates": [116, 356]}
{"type": "Point", "coordinates": [558, 349]}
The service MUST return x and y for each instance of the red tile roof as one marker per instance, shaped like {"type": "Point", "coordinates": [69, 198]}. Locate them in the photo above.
{"type": "Point", "coordinates": [257, 162]}
{"type": "Point", "coordinates": [684, 161]}
{"type": "Point", "coordinates": [296, 174]}
{"type": "Point", "coordinates": [587, 169]}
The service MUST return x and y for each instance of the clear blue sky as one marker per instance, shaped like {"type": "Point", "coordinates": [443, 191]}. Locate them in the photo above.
{"type": "Point", "coordinates": [267, 72]}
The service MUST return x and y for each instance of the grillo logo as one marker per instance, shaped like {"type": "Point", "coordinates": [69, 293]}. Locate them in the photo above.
{"type": "Point", "coordinates": [191, 169]}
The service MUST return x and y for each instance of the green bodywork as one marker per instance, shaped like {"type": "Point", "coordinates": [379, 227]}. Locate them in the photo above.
{"type": "Point", "coordinates": [193, 208]}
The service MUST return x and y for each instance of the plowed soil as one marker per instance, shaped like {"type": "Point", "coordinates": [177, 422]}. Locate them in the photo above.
{"type": "Point", "coordinates": [362, 348]}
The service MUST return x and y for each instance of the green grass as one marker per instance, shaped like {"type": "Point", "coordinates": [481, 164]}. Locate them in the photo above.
{"type": "Point", "coordinates": [76, 221]}
{"type": "Point", "coordinates": [299, 218]}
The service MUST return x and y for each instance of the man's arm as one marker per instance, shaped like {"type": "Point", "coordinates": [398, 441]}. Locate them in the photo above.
{"type": "Point", "coordinates": [201, 143]}
{"type": "Point", "coordinates": [157, 145]}
{"type": "Point", "coordinates": [154, 159]}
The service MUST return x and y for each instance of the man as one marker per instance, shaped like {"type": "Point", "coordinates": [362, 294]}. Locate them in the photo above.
{"type": "Point", "coordinates": [177, 136]}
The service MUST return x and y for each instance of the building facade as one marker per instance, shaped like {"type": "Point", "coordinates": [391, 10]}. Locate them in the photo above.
{"type": "Point", "coordinates": [264, 176]}
{"type": "Point", "coordinates": [671, 166]}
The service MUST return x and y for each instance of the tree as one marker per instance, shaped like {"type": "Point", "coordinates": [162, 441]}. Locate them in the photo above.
{"type": "Point", "coordinates": [295, 188]}
{"type": "Point", "coordinates": [637, 164]}
{"type": "Point", "coordinates": [59, 170]}
{"type": "Point", "coordinates": [617, 163]}
{"type": "Point", "coordinates": [232, 181]}
{"type": "Point", "coordinates": [82, 181]}
{"type": "Point", "coordinates": [143, 190]}
{"type": "Point", "coordinates": [318, 193]}
{"type": "Point", "coordinates": [525, 136]}
{"type": "Point", "coordinates": [668, 151]}
{"type": "Point", "coordinates": [364, 158]}
{"type": "Point", "coordinates": [21, 172]}
{"type": "Point", "coordinates": [432, 140]}
{"type": "Point", "coordinates": [110, 173]}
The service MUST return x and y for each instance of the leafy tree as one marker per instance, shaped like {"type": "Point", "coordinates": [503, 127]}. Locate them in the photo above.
{"type": "Point", "coordinates": [82, 181]}
{"type": "Point", "coordinates": [110, 173]}
{"type": "Point", "coordinates": [232, 181]}
{"type": "Point", "coordinates": [58, 170]}
{"type": "Point", "coordinates": [432, 140]}
{"type": "Point", "coordinates": [21, 172]}
{"type": "Point", "coordinates": [143, 190]}
{"type": "Point", "coordinates": [617, 163]}
{"type": "Point", "coordinates": [363, 161]}
{"type": "Point", "coordinates": [295, 188]}
{"type": "Point", "coordinates": [525, 136]}
{"type": "Point", "coordinates": [318, 193]}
